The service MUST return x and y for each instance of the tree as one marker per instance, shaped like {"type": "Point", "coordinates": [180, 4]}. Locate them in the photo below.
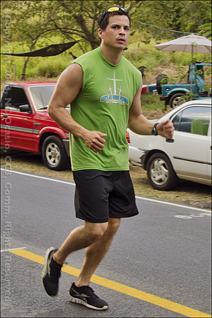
{"type": "Point", "coordinates": [34, 22]}
{"type": "Point", "coordinates": [30, 21]}
{"type": "Point", "coordinates": [79, 18]}
{"type": "Point", "coordinates": [168, 19]}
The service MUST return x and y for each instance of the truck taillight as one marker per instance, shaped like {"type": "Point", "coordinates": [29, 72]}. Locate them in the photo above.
{"type": "Point", "coordinates": [128, 136]}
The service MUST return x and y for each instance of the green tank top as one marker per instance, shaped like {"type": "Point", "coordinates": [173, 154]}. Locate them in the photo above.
{"type": "Point", "coordinates": [103, 105]}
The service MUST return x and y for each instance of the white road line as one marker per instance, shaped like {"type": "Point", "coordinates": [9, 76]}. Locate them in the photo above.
{"type": "Point", "coordinates": [174, 204]}
{"type": "Point", "coordinates": [13, 249]}
{"type": "Point", "coordinates": [137, 197]}
{"type": "Point", "coordinates": [42, 177]}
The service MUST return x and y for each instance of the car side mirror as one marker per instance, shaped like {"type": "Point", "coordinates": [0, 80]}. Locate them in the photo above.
{"type": "Point", "coordinates": [25, 108]}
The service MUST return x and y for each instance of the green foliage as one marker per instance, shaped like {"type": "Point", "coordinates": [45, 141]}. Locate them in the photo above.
{"type": "Point", "coordinates": [186, 97]}
{"type": "Point", "coordinates": [171, 19]}
{"type": "Point", "coordinates": [49, 69]}
{"type": "Point", "coordinates": [146, 54]}
{"type": "Point", "coordinates": [32, 20]}
{"type": "Point", "coordinates": [151, 102]}
{"type": "Point", "coordinates": [206, 30]}
{"type": "Point", "coordinates": [12, 66]}
{"type": "Point", "coordinates": [138, 53]}
{"type": "Point", "coordinates": [30, 25]}
{"type": "Point", "coordinates": [194, 14]}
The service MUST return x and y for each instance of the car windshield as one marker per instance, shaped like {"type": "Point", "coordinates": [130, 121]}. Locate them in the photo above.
{"type": "Point", "coordinates": [41, 95]}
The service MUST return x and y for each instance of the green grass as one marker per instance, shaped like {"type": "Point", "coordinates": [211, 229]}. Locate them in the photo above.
{"type": "Point", "coordinates": [151, 102]}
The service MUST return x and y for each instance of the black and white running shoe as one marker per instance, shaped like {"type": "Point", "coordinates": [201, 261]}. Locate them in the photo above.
{"type": "Point", "coordinates": [51, 273]}
{"type": "Point", "coordinates": [85, 296]}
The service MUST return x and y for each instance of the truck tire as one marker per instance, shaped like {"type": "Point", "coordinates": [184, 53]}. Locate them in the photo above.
{"type": "Point", "coordinates": [54, 154]}
{"type": "Point", "coordinates": [159, 78]}
{"type": "Point", "coordinates": [175, 100]}
{"type": "Point", "coordinates": [160, 172]}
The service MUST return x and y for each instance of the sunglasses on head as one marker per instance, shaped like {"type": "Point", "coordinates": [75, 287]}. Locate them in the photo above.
{"type": "Point", "coordinates": [114, 9]}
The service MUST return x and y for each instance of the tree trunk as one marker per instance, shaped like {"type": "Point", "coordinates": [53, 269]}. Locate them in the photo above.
{"type": "Point", "coordinates": [23, 75]}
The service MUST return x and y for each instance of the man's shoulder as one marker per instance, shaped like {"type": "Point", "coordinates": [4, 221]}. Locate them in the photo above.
{"type": "Point", "coordinates": [88, 55]}
{"type": "Point", "coordinates": [129, 64]}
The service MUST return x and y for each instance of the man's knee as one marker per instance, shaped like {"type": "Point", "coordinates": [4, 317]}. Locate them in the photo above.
{"type": "Point", "coordinates": [113, 224]}
{"type": "Point", "coordinates": [96, 230]}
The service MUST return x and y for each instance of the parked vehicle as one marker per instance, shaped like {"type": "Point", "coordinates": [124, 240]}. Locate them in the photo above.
{"type": "Point", "coordinates": [187, 156]}
{"type": "Point", "coordinates": [172, 93]}
{"type": "Point", "coordinates": [26, 125]}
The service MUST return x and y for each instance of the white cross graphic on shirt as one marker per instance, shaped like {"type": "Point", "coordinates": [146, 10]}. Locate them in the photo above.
{"type": "Point", "coordinates": [114, 82]}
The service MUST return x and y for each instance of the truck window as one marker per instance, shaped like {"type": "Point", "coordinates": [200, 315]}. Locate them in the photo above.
{"type": "Point", "coordinates": [15, 97]}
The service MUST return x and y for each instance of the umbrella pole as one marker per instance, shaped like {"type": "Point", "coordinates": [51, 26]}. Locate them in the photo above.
{"type": "Point", "coordinates": [191, 75]}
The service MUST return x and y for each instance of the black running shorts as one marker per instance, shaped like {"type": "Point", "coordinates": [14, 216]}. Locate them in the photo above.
{"type": "Point", "coordinates": [103, 194]}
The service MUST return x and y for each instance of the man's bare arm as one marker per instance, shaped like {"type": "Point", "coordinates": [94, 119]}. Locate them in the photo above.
{"type": "Point", "coordinates": [139, 124]}
{"type": "Point", "coordinates": [68, 87]}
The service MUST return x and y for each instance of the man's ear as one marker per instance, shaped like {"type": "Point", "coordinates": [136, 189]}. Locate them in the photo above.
{"type": "Point", "coordinates": [100, 33]}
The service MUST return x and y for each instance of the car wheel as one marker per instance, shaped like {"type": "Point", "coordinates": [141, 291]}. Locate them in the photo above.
{"type": "Point", "coordinates": [176, 100]}
{"type": "Point", "coordinates": [160, 172]}
{"type": "Point", "coordinates": [54, 154]}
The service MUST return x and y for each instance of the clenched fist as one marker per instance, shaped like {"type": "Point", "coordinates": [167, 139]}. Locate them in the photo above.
{"type": "Point", "coordinates": [94, 140]}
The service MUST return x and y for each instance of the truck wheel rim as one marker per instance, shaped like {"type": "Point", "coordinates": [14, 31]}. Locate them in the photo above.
{"type": "Point", "coordinates": [53, 154]}
{"type": "Point", "coordinates": [177, 101]}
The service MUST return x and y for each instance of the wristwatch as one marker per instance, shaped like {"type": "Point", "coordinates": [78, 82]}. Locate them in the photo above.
{"type": "Point", "coordinates": [154, 130]}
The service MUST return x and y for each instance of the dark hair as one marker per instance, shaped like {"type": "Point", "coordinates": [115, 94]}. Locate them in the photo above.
{"type": "Point", "coordinates": [103, 18]}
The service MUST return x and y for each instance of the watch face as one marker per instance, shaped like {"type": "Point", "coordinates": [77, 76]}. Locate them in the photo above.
{"type": "Point", "coordinates": [154, 130]}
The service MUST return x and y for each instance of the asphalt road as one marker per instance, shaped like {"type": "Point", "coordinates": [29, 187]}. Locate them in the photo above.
{"type": "Point", "coordinates": [159, 264]}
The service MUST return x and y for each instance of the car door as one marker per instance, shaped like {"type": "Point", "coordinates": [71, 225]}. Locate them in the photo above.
{"type": "Point", "coordinates": [16, 125]}
{"type": "Point", "coordinates": [191, 147]}
{"type": "Point", "coordinates": [209, 166]}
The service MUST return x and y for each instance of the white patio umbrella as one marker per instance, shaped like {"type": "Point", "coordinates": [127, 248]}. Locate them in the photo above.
{"type": "Point", "coordinates": [190, 43]}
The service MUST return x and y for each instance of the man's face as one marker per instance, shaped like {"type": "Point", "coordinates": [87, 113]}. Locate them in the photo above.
{"type": "Point", "coordinates": [117, 32]}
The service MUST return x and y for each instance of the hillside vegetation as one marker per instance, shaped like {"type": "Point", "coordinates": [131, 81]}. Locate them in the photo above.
{"type": "Point", "coordinates": [174, 64]}
{"type": "Point", "coordinates": [31, 25]}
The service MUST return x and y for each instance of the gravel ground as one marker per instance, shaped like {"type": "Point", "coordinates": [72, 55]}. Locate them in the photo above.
{"type": "Point", "coordinates": [185, 192]}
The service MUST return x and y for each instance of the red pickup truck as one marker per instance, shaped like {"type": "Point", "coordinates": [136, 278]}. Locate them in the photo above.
{"type": "Point", "coordinates": [26, 125]}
